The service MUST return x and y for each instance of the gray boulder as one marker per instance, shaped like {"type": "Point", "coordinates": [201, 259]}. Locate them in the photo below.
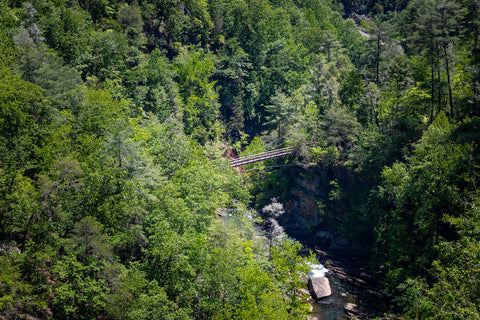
{"type": "Point", "coordinates": [319, 287]}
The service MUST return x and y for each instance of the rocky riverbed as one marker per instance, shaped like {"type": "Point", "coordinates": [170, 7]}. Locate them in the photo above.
{"type": "Point", "coordinates": [328, 228]}
{"type": "Point", "coordinates": [355, 295]}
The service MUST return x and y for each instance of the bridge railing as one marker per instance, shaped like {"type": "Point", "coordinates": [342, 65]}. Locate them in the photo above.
{"type": "Point", "coordinates": [262, 156]}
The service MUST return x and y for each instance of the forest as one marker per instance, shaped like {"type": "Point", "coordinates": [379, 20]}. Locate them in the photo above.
{"type": "Point", "coordinates": [117, 199]}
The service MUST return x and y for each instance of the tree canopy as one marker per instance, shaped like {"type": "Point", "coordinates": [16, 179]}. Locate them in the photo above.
{"type": "Point", "coordinates": [116, 119]}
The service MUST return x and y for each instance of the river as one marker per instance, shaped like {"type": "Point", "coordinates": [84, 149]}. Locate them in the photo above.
{"type": "Point", "coordinates": [331, 307]}
{"type": "Point", "coordinates": [355, 294]}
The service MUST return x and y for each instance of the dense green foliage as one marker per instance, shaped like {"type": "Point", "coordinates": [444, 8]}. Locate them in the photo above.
{"type": "Point", "coordinates": [114, 116]}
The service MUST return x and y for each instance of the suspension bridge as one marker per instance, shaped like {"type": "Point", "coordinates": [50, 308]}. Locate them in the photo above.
{"type": "Point", "coordinates": [262, 156]}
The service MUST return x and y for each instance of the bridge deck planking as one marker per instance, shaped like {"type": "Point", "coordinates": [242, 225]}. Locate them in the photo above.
{"type": "Point", "coordinates": [267, 155]}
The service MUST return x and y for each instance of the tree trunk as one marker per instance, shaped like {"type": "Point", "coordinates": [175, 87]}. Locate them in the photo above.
{"type": "Point", "coordinates": [450, 98]}
{"type": "Point", "coordinates": [119, 144]}
{"type": "Point", "coordinates": [476, 61]}
{"type": "Point", "coordinates": [377, 71]}
{"type": "Point", "coordinates": [439, 77]}
{"type": "Point", "coordinates": [432, 98]}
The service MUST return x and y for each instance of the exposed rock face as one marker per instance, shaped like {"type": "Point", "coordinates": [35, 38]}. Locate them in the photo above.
{"type": "Point", "coordinates": [313, 218]}
{"type": "Point", "coordinates": [319, 287]}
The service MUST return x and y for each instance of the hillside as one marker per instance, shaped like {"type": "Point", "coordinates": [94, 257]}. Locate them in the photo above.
{"type": "Point", "coordinates": [117, 199]}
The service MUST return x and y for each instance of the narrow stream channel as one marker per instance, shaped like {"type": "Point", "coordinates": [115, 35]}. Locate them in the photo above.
{"type": "Point", "coordinates": [332, 307]}
{"type": "Point", "coordinates": [354, 295]}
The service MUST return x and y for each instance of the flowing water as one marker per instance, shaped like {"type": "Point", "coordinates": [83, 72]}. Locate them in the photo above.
{"type": "Point", "coordinates": [351, 289]}
{"type": "Point", "coordinates": [317, 270]}
{"type": "Point", "coordinates": [354, 294]}
{"type": "Point", "coordinates": [332, 307]}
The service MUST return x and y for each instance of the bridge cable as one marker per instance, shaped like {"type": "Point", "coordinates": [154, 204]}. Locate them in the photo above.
{"type": "Point", "coordinates": [274, 166]}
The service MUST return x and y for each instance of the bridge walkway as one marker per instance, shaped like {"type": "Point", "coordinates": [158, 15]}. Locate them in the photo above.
{"type": "Point", "coordinates": [262, 156]}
